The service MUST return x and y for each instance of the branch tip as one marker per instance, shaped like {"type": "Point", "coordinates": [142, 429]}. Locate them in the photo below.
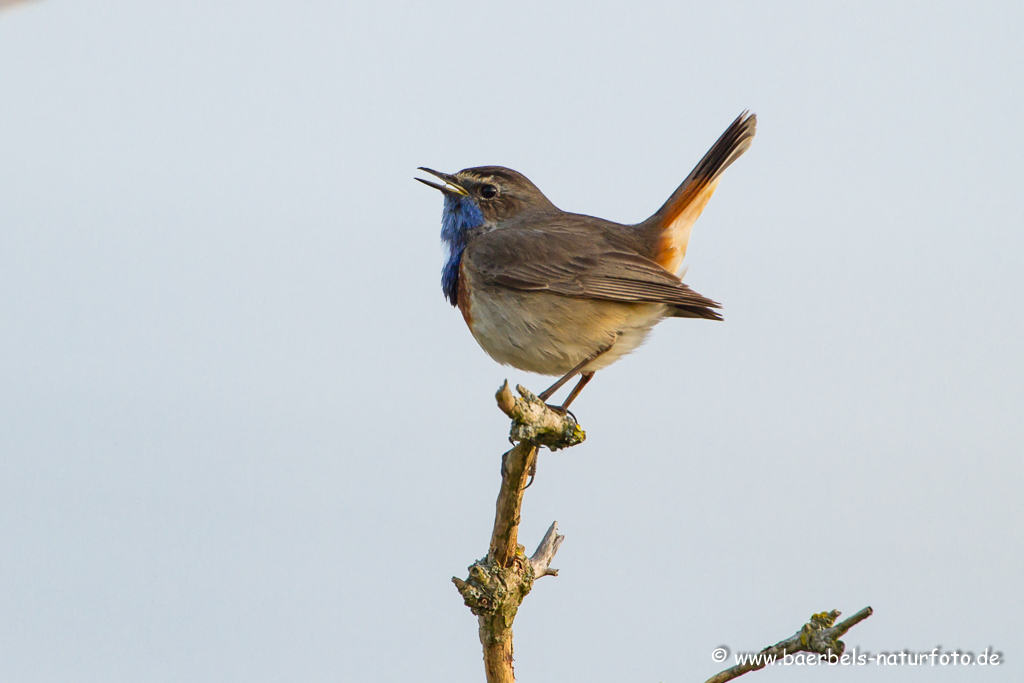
{"type": "Point", "coordinates": [506, 401]}
{"type": "Point", "coordinates": [537, 423]}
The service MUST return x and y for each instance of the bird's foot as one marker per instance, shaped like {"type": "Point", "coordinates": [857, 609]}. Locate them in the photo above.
{"type": "Point", "coordinates": [533, 473]}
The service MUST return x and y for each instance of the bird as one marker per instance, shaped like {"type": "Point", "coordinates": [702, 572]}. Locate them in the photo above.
{"type": "Point", "coordinates": [566, 294]}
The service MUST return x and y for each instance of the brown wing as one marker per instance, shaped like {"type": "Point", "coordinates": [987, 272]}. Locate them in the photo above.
{"type": "Point", "coordinates": [582, 261]}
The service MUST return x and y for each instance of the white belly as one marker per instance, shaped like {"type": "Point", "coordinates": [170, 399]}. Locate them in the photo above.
{"type": "Point", "coordinates": [550, 334]}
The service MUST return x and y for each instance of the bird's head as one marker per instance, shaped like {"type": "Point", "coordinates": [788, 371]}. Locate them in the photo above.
{"type": "Point", "coordinates": [477, 200]}
{"type": "Point", "coordinates": [484, 196]}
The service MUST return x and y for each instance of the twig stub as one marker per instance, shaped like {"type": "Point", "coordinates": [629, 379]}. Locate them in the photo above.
{"type": "Point", "coordinates": [545, 553]}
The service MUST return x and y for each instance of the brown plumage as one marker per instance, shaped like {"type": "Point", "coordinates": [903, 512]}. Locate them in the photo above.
{"type": "Point", "coordinates": [561, 293]}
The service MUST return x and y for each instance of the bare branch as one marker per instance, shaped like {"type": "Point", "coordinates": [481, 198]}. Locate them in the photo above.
{"type": "Point", "coordinates": [505, 535]}
{"type": "Point", "coordinates": [497, 584]}
{"type": "Point", "coordinates": [541, 559]}
{"type": "Point", "coordinates": [819, 635]}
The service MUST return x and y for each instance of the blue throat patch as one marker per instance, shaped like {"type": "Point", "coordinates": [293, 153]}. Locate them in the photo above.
{"type": "Point", "coordinates": [460, 215]}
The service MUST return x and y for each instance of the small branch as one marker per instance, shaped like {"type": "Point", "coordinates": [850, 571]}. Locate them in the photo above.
{"type": "Point", "coordinates": [497, 584]}
{"type": "Point", "coordinates": [505, 535]}
{"type": "Point", "coordinates": [536, 422]}
{"type": "Point", "coordinates": [819, 635]}
{"type": "Point", "coordinates": [541, 559]}
{"type": "Point", "coordinates": [846, 624]}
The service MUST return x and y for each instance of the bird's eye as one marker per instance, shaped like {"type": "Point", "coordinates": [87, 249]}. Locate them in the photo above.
{"type": "Point", "coordinates": [488, 191]}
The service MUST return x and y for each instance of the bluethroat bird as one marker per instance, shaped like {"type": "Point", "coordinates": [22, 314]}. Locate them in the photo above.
{"type": "Point", "coordinates": [561, 293]}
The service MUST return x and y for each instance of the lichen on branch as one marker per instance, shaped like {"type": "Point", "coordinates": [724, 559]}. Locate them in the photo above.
{"type": "Point", "coordinates": [536, 422]}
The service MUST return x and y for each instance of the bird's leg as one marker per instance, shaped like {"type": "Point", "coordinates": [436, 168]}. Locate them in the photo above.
{"type": "Point", "coordinates": [564, 408]}
{"type": "Point", "coordinates": [546, 394]}
{"type": "Point", "coordinates": [584, 378]}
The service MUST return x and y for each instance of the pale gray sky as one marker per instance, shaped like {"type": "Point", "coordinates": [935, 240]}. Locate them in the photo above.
{"type": "Point", "coordinates": [243, 437]}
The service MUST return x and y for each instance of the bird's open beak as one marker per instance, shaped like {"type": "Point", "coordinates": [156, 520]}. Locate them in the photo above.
{"type": "Point", "coordinates": [451, 185]}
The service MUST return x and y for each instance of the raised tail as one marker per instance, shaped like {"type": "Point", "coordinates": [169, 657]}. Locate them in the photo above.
{"type": "Point", "coordinates": [669, 228]}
